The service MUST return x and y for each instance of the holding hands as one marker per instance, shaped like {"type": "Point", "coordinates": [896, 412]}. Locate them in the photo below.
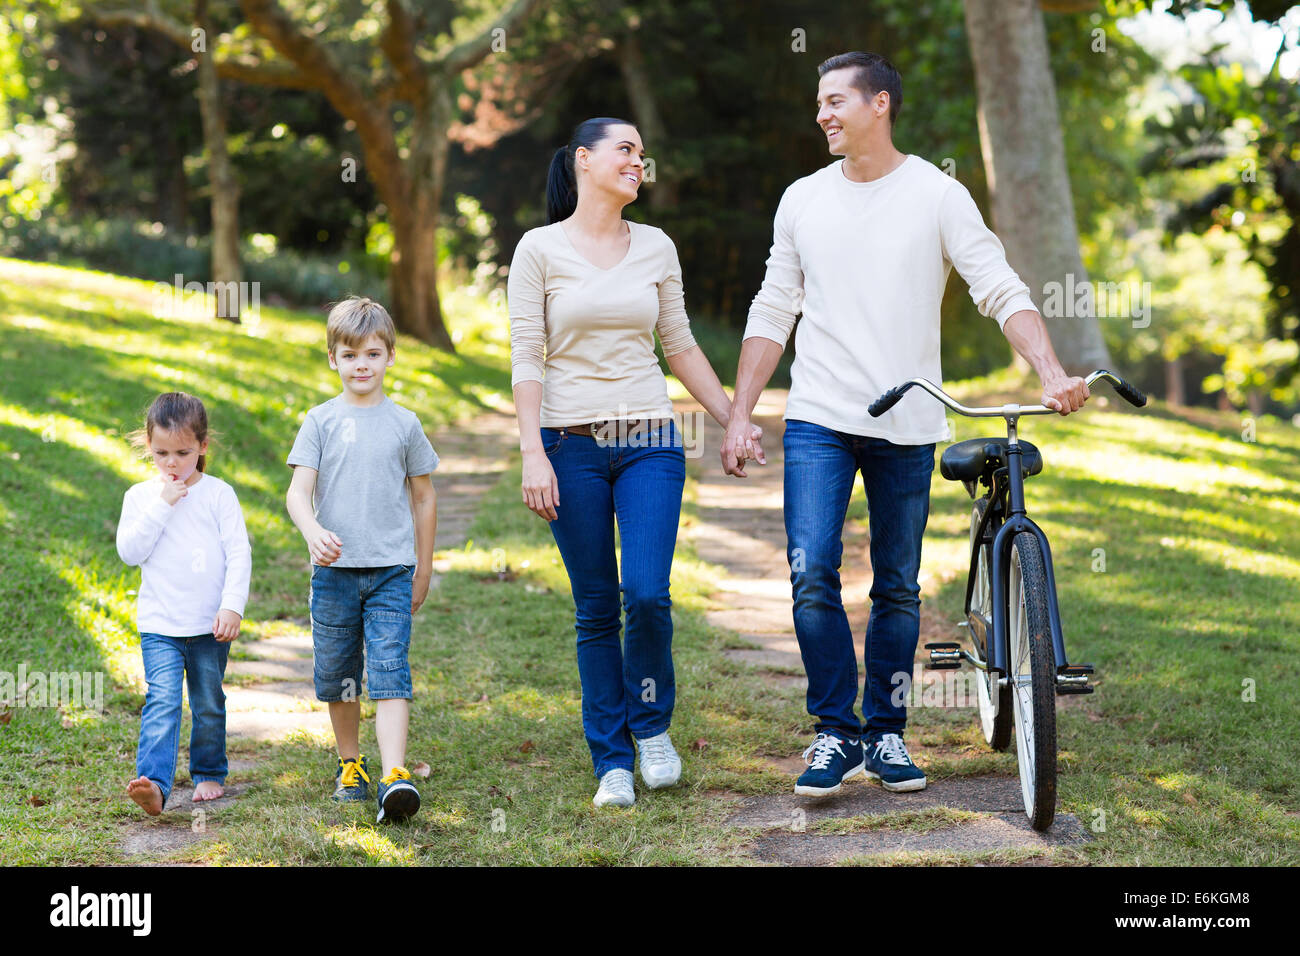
{"type": "Point", "coordinates": [742, 442]}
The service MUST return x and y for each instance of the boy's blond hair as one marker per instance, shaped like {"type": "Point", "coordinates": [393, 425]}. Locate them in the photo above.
{"type": "Point", "coordinates": [357, 318]}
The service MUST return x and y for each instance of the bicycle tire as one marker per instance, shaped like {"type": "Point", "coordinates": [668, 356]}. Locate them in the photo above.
{"type": "Point", "coordinates": [1033, 679]}
{"type": "Point", "coordinates": [994, 702]}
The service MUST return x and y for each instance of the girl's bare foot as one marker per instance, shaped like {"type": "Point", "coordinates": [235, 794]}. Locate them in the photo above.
{"type": "Point", "coordinates": [146, 793]}
{"type": "Point", "coordinates": [207, 790]}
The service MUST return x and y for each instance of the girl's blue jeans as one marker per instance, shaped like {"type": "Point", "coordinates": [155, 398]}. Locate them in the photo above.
{"type": "Point", "coordinates": [169, 664]}
{"type": "Point", "coordinates": [820, 467]}
{"type": "Point", "coordinates": [627, 691]}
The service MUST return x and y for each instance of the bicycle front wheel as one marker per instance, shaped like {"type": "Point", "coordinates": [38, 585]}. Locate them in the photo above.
{"type": "Point", "coordinates": [1033, 679]}
{"type": "Point", "coordinates": [994, 700]}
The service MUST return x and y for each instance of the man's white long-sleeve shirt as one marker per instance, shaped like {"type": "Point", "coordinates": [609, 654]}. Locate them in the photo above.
{"type": "Point", "coordinates": [194, 556]}
{"type": "Point", "coordinates": [867, 263]}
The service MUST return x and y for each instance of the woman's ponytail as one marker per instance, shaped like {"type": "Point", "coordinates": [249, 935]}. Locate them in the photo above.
{"type": "Point", "coordinates": [562, 180]}
{"type": "Point", "coordinates": [561, 187]}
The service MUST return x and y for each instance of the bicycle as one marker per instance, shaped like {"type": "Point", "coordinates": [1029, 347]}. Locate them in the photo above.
{"type": "Point", "coordinates": [1024, 665]}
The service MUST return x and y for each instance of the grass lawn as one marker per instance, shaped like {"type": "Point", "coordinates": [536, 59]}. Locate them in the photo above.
{"type": "Point", "coordinates": [1200, 532]}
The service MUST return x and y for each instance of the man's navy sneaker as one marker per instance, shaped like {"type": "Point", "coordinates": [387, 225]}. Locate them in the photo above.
{"type": "Point", "coordinates": [398, 798]}
{"type": "Point", "coordinates": [831, 760]}
{"type": "Point", "coordinates": [888, 762]}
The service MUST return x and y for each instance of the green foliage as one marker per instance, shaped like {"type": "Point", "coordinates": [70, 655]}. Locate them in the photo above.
{"type": "Point", "coordinates": [1229, 154]}
{"type": "Point", "coordinates": [735, 86]}
{"type": "Point", "coordinates": [732, 84]}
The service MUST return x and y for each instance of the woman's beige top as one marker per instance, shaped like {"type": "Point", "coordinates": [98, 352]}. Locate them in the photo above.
{"type": "Point", "coordinates": [587, 334]}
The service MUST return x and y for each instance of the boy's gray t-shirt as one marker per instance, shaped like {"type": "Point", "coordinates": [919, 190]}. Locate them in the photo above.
{"type": "Point", "coordinates": [362, 456]}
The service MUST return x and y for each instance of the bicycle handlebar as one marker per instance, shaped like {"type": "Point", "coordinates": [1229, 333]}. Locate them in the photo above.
{"type": "Point", "coordinates": [885, 402]}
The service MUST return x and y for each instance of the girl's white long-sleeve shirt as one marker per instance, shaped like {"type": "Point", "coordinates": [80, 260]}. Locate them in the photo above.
{"type": "Point", "coordinates": [194, 556]}
{"type": "Point", "coordinates": [866, 264]}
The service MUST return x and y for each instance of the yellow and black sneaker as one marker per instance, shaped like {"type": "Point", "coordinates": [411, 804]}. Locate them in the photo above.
{"type": "Point", "coordinates": [398, 798]}
{"type": "Point", "coordinates": [352, 780]}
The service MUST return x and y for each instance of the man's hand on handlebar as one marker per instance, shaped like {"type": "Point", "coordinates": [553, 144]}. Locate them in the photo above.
{"type": "Point", "coordinates": [1065, 393]}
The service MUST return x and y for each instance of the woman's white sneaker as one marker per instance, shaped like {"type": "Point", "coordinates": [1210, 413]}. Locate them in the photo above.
{"type": "Point", "coordinates": [615, 789]}
{"type": "Point", "coordinates": [660, 765]}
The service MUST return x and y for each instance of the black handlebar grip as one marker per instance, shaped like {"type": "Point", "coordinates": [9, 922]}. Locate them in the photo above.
{"type": "Point", "coordinates": [1130, 394]}
{"type": "Point", "coordinates": [887, 401]}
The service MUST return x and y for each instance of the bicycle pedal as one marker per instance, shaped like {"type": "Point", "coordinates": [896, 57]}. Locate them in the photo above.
{"type": "Point", "coordinates": [944, 655]}
{"type": "Point", "coordinates": [1073, 679]}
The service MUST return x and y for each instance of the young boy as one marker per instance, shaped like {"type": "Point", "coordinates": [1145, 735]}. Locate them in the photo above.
{"type": "Point", "coordinates": [367, 463]}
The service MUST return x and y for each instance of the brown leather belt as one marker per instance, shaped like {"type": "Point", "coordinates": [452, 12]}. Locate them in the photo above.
{"type": "Point", "coordinates": [608, 427]}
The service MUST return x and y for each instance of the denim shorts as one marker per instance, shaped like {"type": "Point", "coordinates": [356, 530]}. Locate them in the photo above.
{"type": "Point", "coordinates": [361, 616]}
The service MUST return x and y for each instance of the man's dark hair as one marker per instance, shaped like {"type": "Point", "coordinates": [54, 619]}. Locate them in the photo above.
{"type": "Point", "coordinates": [872, 74]}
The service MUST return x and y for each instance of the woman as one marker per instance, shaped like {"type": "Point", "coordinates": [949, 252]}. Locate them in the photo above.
{"type": "Point", "coordinates": [588, 291]}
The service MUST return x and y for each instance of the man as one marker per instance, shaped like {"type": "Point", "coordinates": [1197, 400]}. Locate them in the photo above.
{"type": "Point", "coordinates": [863, 248]}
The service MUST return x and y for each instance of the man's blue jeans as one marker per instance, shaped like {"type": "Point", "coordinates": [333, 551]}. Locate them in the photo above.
{"type": "Point", "coordinates": [169, 662]}
{"type": "Point", "coordinates": [629, 691]}
{"type": "Point", "coordinates": [820, 465]}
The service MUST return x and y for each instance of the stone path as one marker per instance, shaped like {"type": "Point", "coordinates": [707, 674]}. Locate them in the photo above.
{"type": "Point", "coordinates": [272, 697]}
{"type": "Point", "coordinates": [740, 528]}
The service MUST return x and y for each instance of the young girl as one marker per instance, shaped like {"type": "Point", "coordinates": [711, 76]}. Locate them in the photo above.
{"type": "Point", "coordinates": [185, 530]}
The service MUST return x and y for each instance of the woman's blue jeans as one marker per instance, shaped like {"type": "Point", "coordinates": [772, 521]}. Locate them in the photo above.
{"type": "Point", "coordinates": [820, 466]}
{"type": "Point", "coordinates": [627, 691]}
{"type": "Point", "coordinates": [169, 662]}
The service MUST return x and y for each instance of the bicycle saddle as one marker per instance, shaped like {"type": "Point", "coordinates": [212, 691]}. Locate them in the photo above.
{"type": "Point", "coordinates": [967, 460]}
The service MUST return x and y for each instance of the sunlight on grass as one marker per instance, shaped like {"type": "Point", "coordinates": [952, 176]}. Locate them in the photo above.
{"type": "Point", "coordinates": [1234, 558]}
{"type": "Point", "coordinates": [532, 704]}
{"type": "Point", "coordinates": [1153, 819]}
{"type": "Point", "coordinates": [376, 846]}
{"type": "Point", "coordinates": [102, 610]}
{"type": "Point", "coordinates": [1174, 781]}
{"type": "Point", "coordinates": [110, 450]}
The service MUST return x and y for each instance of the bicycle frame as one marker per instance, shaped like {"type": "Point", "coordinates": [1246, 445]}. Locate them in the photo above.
{"type": "Point", "coordinates": [1009, 497]}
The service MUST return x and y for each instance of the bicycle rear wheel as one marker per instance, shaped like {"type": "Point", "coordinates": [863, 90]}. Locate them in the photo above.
{"type": "Point", "coordinates": [994, 701]}
{"type": "Point", "coordinates": [1033, 680]}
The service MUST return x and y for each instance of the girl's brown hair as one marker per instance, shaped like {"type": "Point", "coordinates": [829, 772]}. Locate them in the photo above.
{"type": "Point", "coordinates": [174, 411]}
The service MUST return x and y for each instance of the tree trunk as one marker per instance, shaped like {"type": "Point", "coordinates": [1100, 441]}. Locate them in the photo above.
{"type": "Point", "coordinates": [414, 277]}
{"type": "Point", "coordinates": [227, 274]}
{"type": "Point", "coordinates": [1175, 390]}
{"type": "Point", "coordinates": [1024, 161]}
{"type": "Point", "coordinates": [645, 112]}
